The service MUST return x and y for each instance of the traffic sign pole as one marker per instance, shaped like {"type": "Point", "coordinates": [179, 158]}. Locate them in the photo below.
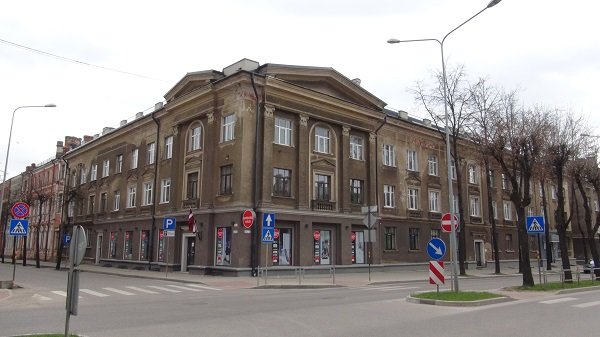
{"type": "Point", "coordinates": [453, 250]}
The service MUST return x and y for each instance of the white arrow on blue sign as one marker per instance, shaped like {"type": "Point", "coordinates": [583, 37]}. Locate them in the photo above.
{"type": "Point", "coordinates": [18, 227]}
{"type": "Point", "coordinates": [268, 220]}
{"type": "Point", "coordinates": [436, 248]}
{"type": "Point", "coordinates": [169, 224]}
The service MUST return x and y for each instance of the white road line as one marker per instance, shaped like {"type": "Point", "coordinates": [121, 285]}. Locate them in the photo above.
{"type": "Point", "coordinates": [184, 288]}
{"type": "Point", "coordinates": [201, 286]}
{"type": "Point", "coordinates": [142, 290]}
{"type": "Point", "coordinates": [95, 293]}
{"type": "Point", "coordinates": [164, 289]}
{"type": "Point", "coordinates": [587, 305]}
{"type": "Point", "coordinates": [390, 288]}
{"type": "Point", "coordinates": [40, 297]}
{"type": "Point", "coordinates": [59, 292]}
{"type": "Point", "coordinates": [122, 292]}
{"type": "Point", "coordinates": [559, 300]}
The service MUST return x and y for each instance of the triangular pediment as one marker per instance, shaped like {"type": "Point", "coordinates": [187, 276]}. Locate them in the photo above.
{"type": "Point", "coordinates": [326, 81]}
{"type": "Point", "coordinates": [191, 82]}
{"type": "Point", "coordinates": [323, 163]}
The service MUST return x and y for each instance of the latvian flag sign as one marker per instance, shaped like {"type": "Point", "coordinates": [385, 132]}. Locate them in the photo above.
{"type": "Point", "coordinates": [192, 222]}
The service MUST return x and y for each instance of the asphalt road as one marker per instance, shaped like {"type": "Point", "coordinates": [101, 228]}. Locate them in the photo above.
{"type": "Point", "coordinates": [122, 306]}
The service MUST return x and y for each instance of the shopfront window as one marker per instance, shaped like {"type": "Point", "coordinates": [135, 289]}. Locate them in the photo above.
{"type": "Point", "coordinates": [223, 246]}
{"type": "Point", "coordinates": [322, 246]}
{"type": "Point", "coordinates": [161, 246]}
{"type": "Point", "coordinates": [112, 245]}
{"type": "Point", "coordinates": [358, 247]}
{"type": "Point", "coordinates": [144, 245]}
{"type": "Point", "coordinates": [128, 246]}
{"type": "Point", "coordinates": [282, 247]}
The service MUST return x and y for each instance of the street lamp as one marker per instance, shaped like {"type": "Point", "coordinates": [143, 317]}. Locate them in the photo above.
{"type": "Point", "coordinates": [6, 167]}
{"type": "Point", "coordinates": [448, 161]}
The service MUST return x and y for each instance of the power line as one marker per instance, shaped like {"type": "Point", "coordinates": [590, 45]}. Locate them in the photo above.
{"type": "Point", "coordinates": [77, 61]}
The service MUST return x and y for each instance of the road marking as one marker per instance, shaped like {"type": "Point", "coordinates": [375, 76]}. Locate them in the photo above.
{"type": "Point", "coordinates": [59, 292]}
{"type": "Point", "coordinates": [142, 290]}
{"type": "Point", "coordinates": [559, 300]}
{"type": "Point", "coordinates": [587, 305]}
{"type": "Point", "coordinates": [184, 288]}
{"type": "Point", "coordinates": [95, 293]}
{"type": "Point", "coordinates": [164, 289]}
{"type": "Point", "coordinates": [42, 298]}
{"type": "Point", "coordinates": [390, 288]}
{"type": "Point", "coordinates": [201, 286]}
{"type": "Point", "coordinates": [122, 292]}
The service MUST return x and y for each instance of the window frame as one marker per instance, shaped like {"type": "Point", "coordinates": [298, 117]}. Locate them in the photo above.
{"type": "Point", "coordinates": [412, 162]}
{"type": "Point", "coordinates": [131, 196]}
{"type": "Point", "coordinates": [226, 180]}
{"type": "Point", "coordinates": [433, 165]}
{"type": "Point", "coordinates": [283, 130]}
{"type": "Point", "coordinates": [434, 203]}
{"type": "Point", "coordinates": [323, 189]}
{"type": "Point", "coordinates": [119, 163]}
{"type": "Point", "coordinates": [150, 153]}
{"type": "Point", "coordinates": [105, 168]}
{"type": "Point", "coordinates": [389, 234]}
{"type": "Point", "coordinates": [116, 200]}
{"type": "Point", "coordinates": [165, 191]}
{"type": "Point", "coordinates": [356, 191]}
{"type": "Point", "coordinates": [388, 196]}
{"type": "Point", "coordinates": [357, 147]}
{"type": "Point", "coordinates": [228, 128]}
{"type": "Point", "coordinates": [148, 189]}
{"type": "Point", "coordinates": [474, 206]}
{"type": "Point", "coordinates": [413, 239]}
{"type": "Point", "coordinates": [134, 158]}
{"type": "Point", "coordinates": [322, 141]}
{"type": "Point", "coordinates": [389, 155]}
{"type": "Point", "coordinates": [194, 143]}
{"type": "Point", "coordinates": [168, 147]}
{"type": "Point", "coordinates": [412, 198]}
{"type": "Point", "coordinates": [282, 182]}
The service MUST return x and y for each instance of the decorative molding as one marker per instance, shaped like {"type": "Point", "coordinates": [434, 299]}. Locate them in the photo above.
{"type": "Point", "coordinates": [269, 109]}
{"type": "Point", "coordinates": [304, 120]}
{"type": "Point", "coordinates": [372, 137]}
{"type": "Point", "coordinates": [211, 117]}
{"type": "Point", "coordinates": [345, 131]}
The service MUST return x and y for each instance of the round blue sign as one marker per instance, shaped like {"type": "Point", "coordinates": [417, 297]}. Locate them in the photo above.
{"type": "Point", "coordinates": [436, 248]}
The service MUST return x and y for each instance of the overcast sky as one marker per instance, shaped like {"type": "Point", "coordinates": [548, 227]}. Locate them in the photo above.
{"type": "Point", "coordinates": [548, 49]}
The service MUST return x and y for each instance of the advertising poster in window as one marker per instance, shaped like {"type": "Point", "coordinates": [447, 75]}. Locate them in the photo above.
{"type": "Point", "coordinates": [317, 244]}
{"type": "Point", "coordinates": [144, 245]}
{"type": "Point", "coordinates": [112, 244]}
{"type": "Point", "coordinates": [223, 246]}
{"type": "Point", "coordinates": [325, 247]}
{"type": "Point", "coordinates": [275, 247]}
{"type": "Point", "coordinates": [161, 245]}
{"type": "Point", "coordinates": [285, 247]}
{"type": "Point", "coordinates": [358, 247]}
{"type": "Point", "coordinates": [127, 249]}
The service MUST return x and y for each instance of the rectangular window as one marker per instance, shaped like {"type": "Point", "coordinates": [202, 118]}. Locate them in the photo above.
{"type": "Point", "coordinates": [128, 245]}
{"type": "Point", "coordinates": [194, 139]}
{"type": "Point", "coordinates": [356, 191]}
{"type": "Point", "coordinates": [169, 147]}
{"type": "Point", "coordinates": [119, 164]}
{"type": "Point", "coordinates": [112, 245]}
{"type": "Point", "coordinates": [507, 210]}
{"type": "Point", "coordinates": [131, 196]}
{"type": "Point", "coordinates": [91, 204]}
{"type": "Point", "coordinates": [103, 202]}
{"type": "Point", "coordinates": [390, 238]}
{"type": "Point", "coordinates": [356, 147]}
{"type": "Point", "coordinates": [225, 185]}
{"type": "Point", "coordinates": [165, 191]}
{"type": "Point", "coordinates": [504, 182]}
{"type": "Point", "coordinates": [432, 163]}
{"type": "Point", "coordinates": [147, 194]}
{"type": "Point", "coordinates": [150, 153]}
{"type": "Point", "coordinates": [452, 169]}
{"type": "Point", "coordinates": [94, 172]}
{"type": "Point", "coordinates": [322, 187]}
{"type": "Point", "coordinates": [509, 242]}
{"type": "Point", "coordinates": [144, 235]}
{"type": "Point", "coordinates": [82, 175]}
{"type": "Point", "coordinates": [116, 200]}
{"type": "Point", "coordinates": [475, 206]}
{"type": "Point", "coordinates": [413, 198]}
{"type": "Point", "coordinates": [435, 233]}
{"type": "Point", "coordinates": [472, 170]}
{"type": "Point", "coordinates": [192, 186]}
{"type": "Point", "coordinates": [228, 127]}
{"type": "Point", "coordinates": [283, 131]}
{"type": "Point", "coordinates": [322, 140]}
{"type": "Point", "coordinates": [495, 209]}
{"type": "Point", "coordinates": [282, 182]}
{"type": "Point", "coordinates": [388, 196]}
{"type": "Point", "coordinates": [411, 160]}
{"type": "Point", "coordinates": [134, 158]}
{"type": "Point", "coordinates": [413, 239]}
{"type": "Point", "coordinates": [455, 203]}
{"type": "Point", "coordinates": [434, 201]}
{"type": "Point", "coordinates": [491, 177]}
{"type": "Point", "coordinates": [389, 156]}
{"type": "Point", "coordinates": [105, 168]}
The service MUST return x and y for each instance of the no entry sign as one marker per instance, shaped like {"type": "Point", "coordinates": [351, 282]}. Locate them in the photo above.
{"type": "Point", "coordinates": [447, 223]}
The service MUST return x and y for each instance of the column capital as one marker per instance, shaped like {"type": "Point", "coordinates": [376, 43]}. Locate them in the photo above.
{"type": "Point", "coordinates": [303, 120]}
{"type": "Point", "coordinates": [345, 130]}
{"type": "Point", "coordinates": [372, 137]}
{"type": "Point", "coordinates": [269, 109]}
{"type": "Point", "coordinates": [211, 117]}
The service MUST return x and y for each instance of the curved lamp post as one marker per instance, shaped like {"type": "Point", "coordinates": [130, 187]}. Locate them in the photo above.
{"type": "Point", "coordinates": [6, 168]}
{"type": "Point", "coordinates": [448, 160]}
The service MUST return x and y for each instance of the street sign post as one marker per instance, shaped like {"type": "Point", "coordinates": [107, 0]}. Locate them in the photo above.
{"type": "Point", "coordinates": [169, 223]}
{"type": "Point", "coordinates": [268, 228]}
{"type": "Point", "coordinates": [369, 221]}
{"type": "Point", "coordinates": [436, 248]}
{"type": "Point", "coordinates": [18, 227]}
{"type": "Point", "coordinates": [76, 253]}
{"type": "Point", "coordinates": [537, 225]}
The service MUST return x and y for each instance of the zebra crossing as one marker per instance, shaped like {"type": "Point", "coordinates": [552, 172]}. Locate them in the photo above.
{"type": "Point", "coordinates": [387, 288]}
{"type": "Point", "coordinates": [575, 302]}
{"type": "Point", "coordinates": [127, 291]}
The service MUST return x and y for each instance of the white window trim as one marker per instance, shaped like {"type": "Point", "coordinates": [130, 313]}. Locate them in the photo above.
{"type": "Point", "coordinates": [356, 147]}
{"type": "Point", "coordinates": [165, 191]}
{"type": "Point", "coordinates": [148, 193]}
{"type": "Point", "coordinates": [283, 133]}
{"type": "Point", "coordinates": [412, 199]}
{"type": "Point", "coordinates": [432, 165]}
{"type": "Point", "coordinates": [389, 155]}
{"type": "Point", "coordinates": [389, 195]}
{"type": "Point", "coordinates": [412, 161]}
{"type": "Point", "coordinates": [434, 203]}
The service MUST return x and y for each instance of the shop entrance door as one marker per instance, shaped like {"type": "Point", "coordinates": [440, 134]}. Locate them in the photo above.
{"type": "Point", "coordinates": [99, 239]}
{"type": "Point", "coordinates": [479, 254]}
{"type": "Point", "coordinates": [191, 252]}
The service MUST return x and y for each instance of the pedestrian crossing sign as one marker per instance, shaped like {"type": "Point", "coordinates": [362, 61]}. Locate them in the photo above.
{"type": "Point", "coordinates": [535, 225]}
{"type": "Point", "coordinates": [18, 227]}
{"type": "Point", "coordinates": [268, 235]}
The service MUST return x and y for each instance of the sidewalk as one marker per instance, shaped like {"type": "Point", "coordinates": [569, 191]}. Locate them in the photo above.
{"type": "Point", "coordinates": [350, 279]}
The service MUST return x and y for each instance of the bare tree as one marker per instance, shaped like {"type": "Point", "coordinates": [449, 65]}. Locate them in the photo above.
{"type": "Point", "coordinates": [564, 144]}
{"type": "Point", "coordinates": [457, 101]}
{"type": "Point", "coordinates": [41, 197]}
{"type": "Point", "coordinates": [516, 146]}
{"type": "Point", "coordinates": [484, 103]}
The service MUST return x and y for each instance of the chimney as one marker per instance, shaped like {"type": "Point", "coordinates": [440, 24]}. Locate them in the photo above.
{"type": "Point", "coordinates": [106, 130]}
{"type": "Point", "coordinates": [356, 81]}
{"type": "Point", "coordinates": [158, 106]}
{"type": "Point", "coordinates": [123, 122]}
{"type": "Point", "coordinates": [427, 122]}
{"type": "Point", "coordinates": [87, 138]}
{"type": "Point", "coordinates": [403, 114]}
{"type": "Point", "coordinates": [96, 136]}
{"type": "Point", "coordinates": [139, 115]}
{"type": "Point", "coordinates": [59, 149]}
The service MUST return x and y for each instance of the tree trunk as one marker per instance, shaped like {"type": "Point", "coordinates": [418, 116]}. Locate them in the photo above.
{"type": "Point", "coordinates": [462, 236]}
{"type": "Point", "coordinates": [561, 226]}
{"type": "Point", "coordinates": [25, 250]}
{"type": "Point", "coordinates": [547, 230]}
{"type": "Point", "coordinates": [491, 217]}
{"type": "Point", "coordinates": [37, 247]}
{"type": "Point", "coordinates": [524, 246]}
{"type": "Point", "coordinates": [588, 225]}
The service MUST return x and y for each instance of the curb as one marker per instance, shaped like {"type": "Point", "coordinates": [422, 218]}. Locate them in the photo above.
{"type": "Point", "coordinates": [459, 303]}
{"type": "Point", "coordinates": [292, 286]}
{"type": "Point", "coordinates": [577, 290]}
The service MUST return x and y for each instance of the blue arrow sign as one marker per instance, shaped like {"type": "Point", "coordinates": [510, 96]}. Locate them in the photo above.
{"type": "Point", "coordinates": [169, 224]}
{"type": "Point", "coordinates": [535, 225]}
{"type": "Point", "coordinates": [436, 248]}
{"type": "Point", "coordinates": [18, 227]}
{"type": "Point", "coordinates": [268, 220]}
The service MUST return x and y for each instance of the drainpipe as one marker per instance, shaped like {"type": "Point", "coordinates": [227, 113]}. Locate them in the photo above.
{"type": "Point", "coordinates": [64, 215]}
{"type": "Point", "coordinates": [370, 257]}
{"type": "Point", "coordinates": [155, 187]}
{"type": "Point", "coordinates": [254, 233]}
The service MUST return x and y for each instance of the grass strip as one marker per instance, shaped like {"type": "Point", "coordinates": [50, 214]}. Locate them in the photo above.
{"type": "Point", "coordinates": [552, 286]}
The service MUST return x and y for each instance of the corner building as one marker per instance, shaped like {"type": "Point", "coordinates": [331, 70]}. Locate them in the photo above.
{"type": "Point", "coordinates": [306, 144]}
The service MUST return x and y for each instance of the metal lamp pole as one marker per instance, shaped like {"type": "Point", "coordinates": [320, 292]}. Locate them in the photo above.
{"type": "Point", "coordinates": [6, 167]}
{"type": "Point", "coordinates": [453, 246]}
